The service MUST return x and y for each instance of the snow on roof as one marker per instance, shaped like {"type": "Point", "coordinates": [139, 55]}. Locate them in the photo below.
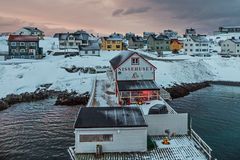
{"type": "Point", "coordinates": [199, 38]}
{"type": "Point", "coordinates": [118, 60]}
{"type": "Point", "coordinates": [23, 38]}
{"type": "Point", "coordinates": [94, 45]}
{"type": "Point", "coordinates": [108, 117]}
{"type": "Point", "coordinates": [237, 41]}
{"type": "Point", "coordinates": [33, 29]}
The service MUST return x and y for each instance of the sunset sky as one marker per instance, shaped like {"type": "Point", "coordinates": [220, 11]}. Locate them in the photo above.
{"type": "Point", "coordinates": [107, 16]}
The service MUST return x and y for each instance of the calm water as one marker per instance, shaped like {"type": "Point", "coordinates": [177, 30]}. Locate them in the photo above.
{"type": "Point", "coordinates": [216, 118]}
{"type": "Point", "coordinates": [36, 131]}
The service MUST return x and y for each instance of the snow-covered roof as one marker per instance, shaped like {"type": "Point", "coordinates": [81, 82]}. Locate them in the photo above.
{"type": "Point", "coordinates": [237, 41]}
{"type": "Point", "coordinates": [108, 117]}
{"type": "Point", "coordinates": [94, 45]}
{"type": "Point", "coordinates": [33, 29]}
{"type": "Point", "coordinates": [118, 60]}
{"type": "Point", "coordinates": [199, 38]}
{"type": "Point", "coordinates": [79, 35]}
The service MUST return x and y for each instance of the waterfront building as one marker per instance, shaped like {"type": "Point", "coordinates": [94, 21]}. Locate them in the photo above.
{"type": "Point", "coordinates": [230, 47]}
{"type": "Point", "coordinates": [134, 78]}
{"type": "Point", "coordinates": [113, 129]}
{"type": "Point", "coordinates": [30, 31]}
{"type": "Point", "coordinates": [24, 46]}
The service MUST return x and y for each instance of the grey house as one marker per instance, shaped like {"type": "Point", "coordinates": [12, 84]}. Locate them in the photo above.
{"type": "Point", "coordinates": [72, 40]}
{"type": "Point", "coordinates": [135, 42]}
{"type": "Point", "coordinates": [158, 43]}
{"type": "Point", "coordinates": [23, 46]}
{"type": "Point", "coordinates": [93, 49]}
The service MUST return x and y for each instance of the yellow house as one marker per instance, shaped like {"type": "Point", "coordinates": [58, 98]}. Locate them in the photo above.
{"type": "Point", "coordinates": [112, 43]}
{"type": "Point", "coordinates": [175, 45]}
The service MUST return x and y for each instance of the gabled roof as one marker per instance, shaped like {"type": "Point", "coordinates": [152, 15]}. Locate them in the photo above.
{"type": "Point", "coordinates": [23, 38]}
{"type": "Point", "coordinates": [199, 38]}
{"type": "Point", "coordinates": [109, 117]}
{"type": "Point", "coordinates": [159, 37]}
{"type": "Point", "coordinates": [137, 85]}
{"type": "Point", "coordinates": [33, 29]}
{"type": "Point", "coordinates": [93, 46]}
{"type": "Point", "coordinates": [237, 41]}
{"type": "Point", "coordinates": [122, 57]}
{"type": "Point", "coordinates": [137, 39]}
{"type": "Point", "coordinates": [78, 35]}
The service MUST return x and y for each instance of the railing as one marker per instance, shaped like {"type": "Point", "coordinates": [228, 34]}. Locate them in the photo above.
{"type": "Point", "coordinates": [170, 109]}
{"type": "Point", "coordinates": [207, 150]}
{"type": "Point", "coordinates": [92, 94]}
{"type": "Point", "coordinates": [165, 95]}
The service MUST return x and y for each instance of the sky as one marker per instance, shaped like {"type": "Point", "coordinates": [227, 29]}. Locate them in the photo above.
{"type": "Point", "coordinates": [108, 16]}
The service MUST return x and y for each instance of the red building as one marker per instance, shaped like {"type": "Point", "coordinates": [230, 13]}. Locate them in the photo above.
{"type": "Point", "coordinates": [134, 78]}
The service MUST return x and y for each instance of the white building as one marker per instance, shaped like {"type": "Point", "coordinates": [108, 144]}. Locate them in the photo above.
{"type": "Point", "coordinates": [134, 78]}
{"type": "Point", "coordinates": [115, 129]}
{"type": "Point", "coordinates": [93, 49]}
{"type": "Point", "coordinates": [231, 47]}
{"type": "Point", "coordinates": [30, 31]}
{"type": "Point", "coordinates": [196, 45]}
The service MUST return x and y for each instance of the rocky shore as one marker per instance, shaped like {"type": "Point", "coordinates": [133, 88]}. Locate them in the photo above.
{"type": "Point", "coordinates": [63, 98]}
{"type": "Point", "coordinates": [182, 90]}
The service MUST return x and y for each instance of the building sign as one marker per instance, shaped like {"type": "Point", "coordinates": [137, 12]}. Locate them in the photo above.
{"type": "Point", "coordinates": [126, 69]}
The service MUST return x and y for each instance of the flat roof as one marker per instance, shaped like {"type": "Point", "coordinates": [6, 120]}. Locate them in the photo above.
{"type": "Point", "coordinates": [137, 85]}
{"type": "Point", "coordinates": [110, 117]}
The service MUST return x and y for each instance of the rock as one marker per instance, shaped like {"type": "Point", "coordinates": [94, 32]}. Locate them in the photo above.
{"type": "Point", "coordinates": [72, 99]}
{"type": "Point", "coordinates": [3, 105]}
{"type": "Point", "coordinates": [184, 89]}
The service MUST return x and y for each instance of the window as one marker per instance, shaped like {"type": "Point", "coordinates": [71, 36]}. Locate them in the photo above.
{"type": "Point", "coordinates": [197, 50]}
{"type": "Point", "coordinates": [118, 46]}
{"type": "Point", "coordinates": [191, 50]}
{"type": "Point", "coordinates": [186, 50]}
{"type": "Point", "coordinates": [113, 42]}
{"type": "Point", "coordinates": [197, 44]}
{"type": "Point", "coordinates": [93, 52]}
{"type": "Point", "coordinates": [33, 44]}
{"type": "Point", "coordinates": [14, 50]}
{"type": "Point", "coordinates": [86, 52]}
{"type": "Point", "coordinates": [96, 138]}
{"type": "Point", "coordinates": [191, 44]}
{"type": "Point", "coordinates": [109, 46]}
{"type": "Point", "coordinates": [13, 44]}
{"type": "Point", "coordinates": [70, 44]}
{"type": "Point", "coordinates": [31, 50]}
{"type": "Point", "coordinates": [238, 51]}
{"type": "Point", "coordinates": [135, 61]}
{"type": "Point", "coordinates": [22, 50]}
{"type": "Point", "coordinates": [204, 44]}
{"type": "Point", "coordinates": [22, 44]}
{"type": "Point", "coordinates": [185, 44]}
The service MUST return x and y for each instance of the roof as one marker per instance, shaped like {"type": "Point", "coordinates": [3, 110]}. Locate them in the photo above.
{"type": "Point", "coordinates": [109, 117]}
{"type": "Point", "coordinates": [137, 39]}
{"type": "Point", "coordinates": [23, 38]}
{"type": "Point", "coordinates": [94, 45]}
{"type": "Point", "coordinates": [159, 37]}
{"type": "Point", "coordinates": [33, 29]}
{"type": "Point", "coordinates": [237, 41]}
{"type": "Point", "coordinates": [78, 35]}
{"type": "Point", "coordinates": [137, 85]}
{"type": "Point", "coordinates": [199, 38]}
{"type": "Point", "coordinates": [122, 57]}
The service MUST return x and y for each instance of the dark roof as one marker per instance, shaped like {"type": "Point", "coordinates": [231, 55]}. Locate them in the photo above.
{"type": "Point", "coordinates": [23, 38]}
{"type": "Point", "coordinates": [237, 41]}
{"type": "Point", "coordinates": [137, 85]}
{"type": "Point", "coordinates": [119, 59]}
{"type": "Point", "coordinates": [122, 57]}
{"type": "Point", "coordinates": [108, 117]}
{"type": "Point", "coordinates": [78, 35]}
{"type": "Point", "coordinates": [93, 46]}
{"type": "Point", "coordinates": [137, 39]}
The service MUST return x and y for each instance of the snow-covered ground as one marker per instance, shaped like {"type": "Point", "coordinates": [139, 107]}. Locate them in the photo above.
{"type": "Point", "coordinates": [18, 76]}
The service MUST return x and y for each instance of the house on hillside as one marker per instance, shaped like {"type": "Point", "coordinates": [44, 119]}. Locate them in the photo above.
{"type": "Point", "coordinates": [197, 45]}
{"type": "Point", "coordinates": [110, 130]}
{"type": "Point", "coordinates": [230, 47]}
{"type": "Point", "coordinates": [134, 78]}
{"type": "Point", "coordinates": [93, 49]}
{"type": "Point", "coordinates": [176, 45]}
{"type": "Point", "coordinates": [113, 43]}
{"type": "Point", "coordinates": [30, 31]}
{"type": "Point", "coordinates": [24, 46]}
{"type": "Point", "coordinates": [158, 43]}
{"type": "Point", "coordinates": [73, 40]}
{"type": "Point", "coordinates": [135, 42]}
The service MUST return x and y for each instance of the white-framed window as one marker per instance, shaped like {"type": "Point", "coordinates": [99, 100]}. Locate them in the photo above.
{"type": "Point", "coordinates": [135, 61]}
{"type": "Point", "coordinates": [33, 44]}
{"type": "Point", "coordinates": [13, 43]}
{"type": "Point", "coordinates": [32, 50]}
{"type": "Point", "coordinates": [93, 52]}
{"type": "Point", "coordinates": [22, 43]}
{"type": "Point", "coordinates": [14, 50]}
{"type": "Point", "coordinates": [96, 138]}
{"type": "Point", "coordinates": [22, 50]}
{"type": "Point", "coordinates": [86, 52]}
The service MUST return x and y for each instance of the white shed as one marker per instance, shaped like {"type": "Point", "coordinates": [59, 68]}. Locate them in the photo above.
{"type": "Point", "coordinates": [115, 129]}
